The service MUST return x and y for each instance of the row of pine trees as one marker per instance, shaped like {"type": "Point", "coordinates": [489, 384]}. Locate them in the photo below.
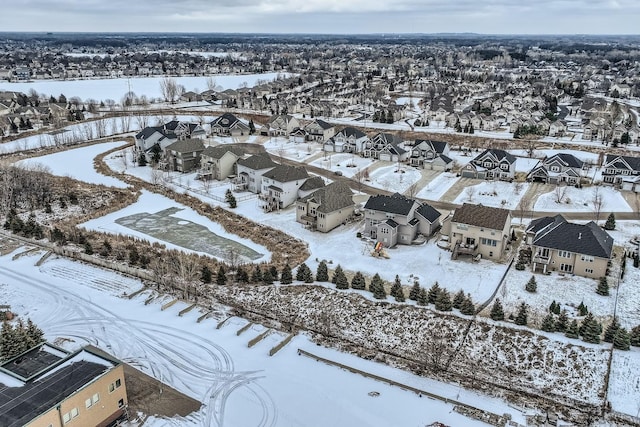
{"type": "Point", "coordinates": [17, 339]}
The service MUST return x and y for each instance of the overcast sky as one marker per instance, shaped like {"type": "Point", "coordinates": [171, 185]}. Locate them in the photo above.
{"type": "Point", "coordinates": [327, 16]}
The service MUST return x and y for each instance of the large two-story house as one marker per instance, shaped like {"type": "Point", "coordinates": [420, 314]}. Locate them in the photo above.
{"type": "Point", "coordinates": [219, 162]}
{"type": "Point", "coordinates": [326, 207]}
{"type": "Point", "coordinates": [167, 134]}
{"type": "Point", "coordinates": [397, 219]}
{"type": "Point", "coordinates": [281, 125]}
{"type": "Point", "coordinates": [250, 171]}
{"type": "Point", "coordinates": [347, 140]}
{"type": "Point", "coordinates": [623, 171]}
{"type": "Point", "coordinates": [183, 155]}
{"type": "Point", "coordinates": [559, 168]}
{"type": "Point", "coordinates": [385, 146]}
{"type": "Point", "coordinates": [491, 164]}
{"type": "Point", "coordinates": [433, 155]}
{"type": "Point", "coordinates": [558, 245]}
{"type": "Point", "coordinates": [478, 230]}
{"type": "Point", "coordinates": [229, 125]}
{"type": "Point", "coordinates": [319, 131]}
{"type": "Point", "coordinates": [280, 186]}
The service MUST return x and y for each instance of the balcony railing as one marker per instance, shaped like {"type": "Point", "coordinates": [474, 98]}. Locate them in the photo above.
{"type": "Point", "coordinates": [541, 259]}
{"type": "Point", "coordinates": [469, 249]}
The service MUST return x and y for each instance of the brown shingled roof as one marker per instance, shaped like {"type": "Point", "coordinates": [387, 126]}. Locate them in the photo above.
{"type": "Point", "coordinates": [481, 216]}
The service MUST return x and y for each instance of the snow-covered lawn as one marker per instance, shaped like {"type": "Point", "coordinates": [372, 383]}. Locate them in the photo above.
{"type": "Point", "coordinates": [525, 164]}
{"type": "Point", "coordinates": [77, 163]}
{"type": "Point", "coordinates": [438, 186]}
{"type": "Point", "coordinates": [497, 194]}
{"type": "Point", "coordinates": [624, 382]}
{"type": "Point", "coordinates": [581, 200]}
{"type": "Point", "coordinates": [347, 164]}
{"type": "Point", "coordinates": [392, 178]}
{"type": "Point", "coordinates": [283, 147]}
{"type": "Point", "coordinates": [239, 386]}
{"type": "Point", "coordinates": [115, 89]}
{"type": "Point", "coordinates": [151, 203]}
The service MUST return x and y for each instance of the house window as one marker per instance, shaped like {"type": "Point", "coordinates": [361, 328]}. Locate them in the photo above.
{"type": "Point", "coordinates": [586, 258]}
{"type": "Point", "coordinates": [87, 403]}
{"type": "Point", "coordinates": [488, 242]}
{"type": "Point", "coordinates": [564, 254]}
{"type": "Point", "coordinates": [491, 253]}
{"type": "Point", "coordinates": [567, 268]}
{"type": "Point", "coordinates": [120, 403]}
{"type": "Point", "coordinates": [504, 166]}
{"type": "Point", "coordinates": [555, 169]}
{"type": "Point", "coordinates": [588, 270]}
{"type": "Point", "coordinates": [66, 417]}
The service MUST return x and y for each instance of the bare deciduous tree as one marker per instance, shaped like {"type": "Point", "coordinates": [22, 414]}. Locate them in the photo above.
{"type": "Point", "coordinates": [597, 201]}
{"type": "Point", "coordinates": [169, 89]}
{"type": "Point", "coordinates": [560, 192]}
{"type": "Point", "coordinates": [470, 192]}
{"type": "Point", "coordinates": [524, 205]}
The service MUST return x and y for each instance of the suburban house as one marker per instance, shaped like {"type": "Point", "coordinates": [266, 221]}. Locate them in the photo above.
{"type": "Point", "coordinates": [319, 131]}
{"type": "Point", "coordinates": [250, 171]}
{"type": "Point", "coordinates": [280, 125]}
{"type": "Point", "coordinates": [326, 208]}
{"type": "Point", "coordinates": [558, 245]}
{"type": "Point", "coordinates": [433, 155]}
{"type": "Point", "coordinates": [617, 169]}
{"type": "Point", "coordinates": [385, 146]}
{"type": "Point", "coordinates": [559, 168]}
{"type": "Point", "coordinates": [491, 164]}
{"type": "Point", "coordinates": [348, 140]}
{"type": "Point", "coordinates": [557, 128]}
{"type": "Point", "coordinates": [478, 230]}
{"type": "Point", "coordinates": [298, 136]}
{"type": "Point", "coordinates": [398, 219]}
{"type": "Point", "coordinates": [183, 155]}
{"type": "Point", "coordinates": [49, 386]}
{"type": "Point", "coordinates": [280, 186]}
{"type": "Point", "coordinates": [167, 134]}
{"type": "Point", "coordinates": [219, 162]}
{"type": "Point", "coordinates": [229, 125]}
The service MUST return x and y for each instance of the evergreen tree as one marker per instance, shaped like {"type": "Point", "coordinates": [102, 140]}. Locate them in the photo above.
{"type": "Point", "coordinates": [301, 272]}
{"type": "Point", "coordinates": [521, 317]}
{"type": "Point", "coordinates": [231, 199]}
{"type": "Point", "coordinates": [134, 256]}
{"type": "Point", "coordinates": [415, 291]}
{"type": "Point", "coordinates": [308, 275]}
{"type": "Point", "coordinates": [585, 322]}
{"type": "Point", "coordinates": [433, 293]}
{"type": "Point", "coordinates": [611, 330]}
{"type": "Point", "coordinates": [423, 297]}
{"type": "Point", "coordinates": [443, 301]}
{"type": "Point", "coordinates": [572, 330]}
{"type": "Point", "coordinates": [592, 332]}
{"type": "Point", "coordinates": [142, 159]}
{"type": "Point", "coordinates": [7, 341]}
{"type": "Point", "coordinates": [467, 306]}
{"type": "Point", "coordinates": [636, 260]}
{"type": "Point", "coordinates": [548, 323]}
{"type": "Point", "coordinates": [552, 307]}
{"type": "Point", "coordinates": [88, 249]}
{"type": "Point", "coordinates": [205, 274]}
{"type": "Point", "coordinates": [221, 277]}
{"type": "Point", "coordinates": [341, 280]}
{"type": "Point", "coordinates": [256, 276]}
{"type": "Point", "coordinates": [556, 310]}
{"type": "Point", "coordinates": [497, 312]}
{"type": "Point", "coordinates": [267, 277]}
{"type": "Point", "coordinates": [531, 285]}
{"type": "Point", "coordinates": [635, 336]}
{"type": "Point", "coordinates": [34, 334]}
{"type": "Point", "coordinates": [322, 273]}
{"type": "Point", "coordinates": [603, 287]}
{"type": "Point", "coordinates": [286, 277]}
{"type": "Point", "coordinates": [242, 276]}
{"type": "Point", "coordinates": [335, 273]}
{"type": "Point", "coordinates": [582, 309]}
{"type": "Point", "coordinates": [622, 340]}
{"type": "Point", "coordinates": [562, 322]}
{"type": "Point", "coordinates": [458, 299]}
{"type": "Point", "coordinates": [611, 222]}
{"type": "Point", "coordinates": [396, 290]}
{"type": "Point", "coordinates": [252, 127]}
{"type": "Point", "coordinates": [358, 281]}
{"type": "Point", "coordinates": [156, 153]}
{"type": "Point", "coordinates": [274, 272]}
{"type": "Point", "coordinates": [377, 287]}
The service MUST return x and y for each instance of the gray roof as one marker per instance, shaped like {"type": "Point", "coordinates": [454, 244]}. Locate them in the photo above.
{"type": "Point", "coordinates": [351, 131]}
{"type": "Point", "coordinates": [588, 239]}
{"type": "Point", "coordinates": [257, 162]}
{"type": "Point", "coordinates": [186, 145]}
{"type": "Point", "coordinates": [323, 124]}
{"type": "Point", "coordinates": [331, 198]}
{"type": "Point", "coordinates": [228, 120]}
{"type": "Point", "coordinates": [397, 204]}
{"type": "Point", "coordinates": [312, 183]}
{"type": "Point", "coordinates": [286, 173]}
{"type": "Point", "coordinates": [540, 223]}
{"type": "Point", "coordinates": [498, 154]}
{"type": "Point", "coordinates": [633, 162]}
{"type": "Point", "coordinates": [568, 159]}
{"type": "Point", "coordinates": [481, 216]}
{"type": "Point", "coordinates": [218, 151]}
{"type": "Point", "coordinates": [438, 146]}
{"type": "Point", "coordinates": [428, 212]}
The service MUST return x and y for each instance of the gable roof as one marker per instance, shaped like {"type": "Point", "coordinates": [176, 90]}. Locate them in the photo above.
{"type": "Point", "coordinates": [218, 151]}
{"type": "Point", "coordinates": [633, 162]}
{"type": "Point", "coordinates": [428, 212]}
{"type": "Point", "coordinates": [227, 121]}
{"type": "Point", "coordinates": [312, 183]}
{"type": "Point", "coordinates": [186, 145]}
{"type": "Point", "coordinates": [498, 154]}
{"type": "Point", "coordinates": [257, 162]}
{"type": "Point", "coordinates": [286, 173]}
{"type": "Point", "coordinates": [481, 216]}
{"type": "Point", "coordinates": [437, 146]}
{"type": "Point", "coordinates": [351, 131]}
{"type": "Point", "coordinates": [396, 203]}
{"type": "Point", "coordinates": [568, 159]}
{"type": "Point", "coordinates": [588, 239]}
{"type": "Point", "coordinates": [331, 198]}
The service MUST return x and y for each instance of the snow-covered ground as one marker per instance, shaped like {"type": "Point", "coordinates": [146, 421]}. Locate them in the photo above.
{"type": "Point", "coordinates": [239, 386]}
{"type": "Point", "coordinates": [497, 194]}
{"type": "Point", "coordinates": [283, 147]}
{"type": "Point", "coordinates": [437, 188]}
{"type": "Point", "coordinates": [77, 163]}
{"type": "Point", "coordinates": [581, 200]}
{"type": "Point", "coordinates": [115, 89]}
{"type": "Point", "coordinates": [394, 178]}
{"type": "Point", "coordinates": [345, 163]}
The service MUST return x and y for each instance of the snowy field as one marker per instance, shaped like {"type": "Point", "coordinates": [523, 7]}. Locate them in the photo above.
{"type": "Point", "coordinates": [239, 386]}
{"type": "Point", "coordinates": [524, 164]}
{"type": "Point", "coordinates": [283, 147]}
{"type": "Point", "coordinates": [103, 89]}
{"type": "Point", "coordinates": [498, 194]}
{"type": "Point", "coordinates": [390, 178]}
{"type": "Point", "coordinates": [581, 200]}
{"type": "Point", "coordinates": [77, 163]}
{"type": "Point", "coordinates": [438, 186]}
{"type": "Point", "coordinates": [150, 203]}
{"type": "Point", "coordinates": [343, 162]}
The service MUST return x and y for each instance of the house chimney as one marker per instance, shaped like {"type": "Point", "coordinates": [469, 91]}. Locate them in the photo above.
{"type": "Point", "coordinates": [579, 236]}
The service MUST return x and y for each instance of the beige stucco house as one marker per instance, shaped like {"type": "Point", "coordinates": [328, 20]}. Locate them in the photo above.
{"type": "Point", "coordinates": [326, 208]}
{"type": "Point", "coordinates": [219, 162]}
